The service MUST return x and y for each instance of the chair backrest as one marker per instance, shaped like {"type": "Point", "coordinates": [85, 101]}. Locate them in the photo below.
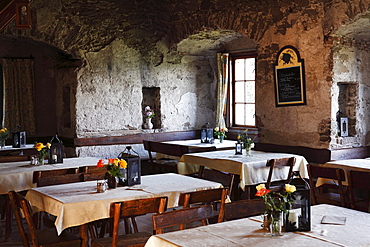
{"type": "Point", "coordinates": [359, 181]}
{"type": "Point", "coordinates": [315, 172]}
{"type": "Point", "coordinates": [206, 197]}
{"type": "Point", "coordinates": [279, 163]}
{"type": "Point", "coordinates": [181, 217]}
{"type": "Point", "coordinates": [93, 172]}
{"type": "Point", "coordinates": [226, 179]}
{"type": "Point", "coordinates": [134, 208]}
{"type": "Point", "coordinates": [52, 173]}
{"type": "Point", "coordinates": [244, 208]}
{"type": "Point", "coordinates": [60, 179]}
{"type": "Point", "coordinates": [21, 205]}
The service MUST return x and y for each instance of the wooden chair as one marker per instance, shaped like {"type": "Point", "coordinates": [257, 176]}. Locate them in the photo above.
{"type": "Point", "coordinates": [41, 237]}
{"type": "Point", "coordinates": [330, 193]}
{"type": "Point", "coordinates": [279, 163]}
{"type": "Point", "coordinates": [244, 208]}
{"type": "Point", "coordinates": [52, 173]}
{"type": "Point", "coordinates": [216, 197]}
{"type": "Point", "coordinates": [164, 165]}
{"type": "Point", "coordinates": [359, 190]}
{"type": "Point", "coordinates": [224, 178]}
{"type": "Point", "coordinates": [93, 172]}
{"type": "Point", "coordinates": [127, 209]}
{"type": "Point", "coordinates": [60, 179]}
{"type": "Point", "coordinates": [181, 217]}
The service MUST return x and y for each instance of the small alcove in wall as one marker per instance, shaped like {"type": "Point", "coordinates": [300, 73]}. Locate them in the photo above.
{"type": "Point", "coordinates": [151, 97]}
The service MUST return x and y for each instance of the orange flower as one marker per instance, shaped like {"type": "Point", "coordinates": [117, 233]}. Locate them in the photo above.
{"type": "Point", "coordinates": [262, 192]}
{"type": "Point", "coordinates": [100, 163]}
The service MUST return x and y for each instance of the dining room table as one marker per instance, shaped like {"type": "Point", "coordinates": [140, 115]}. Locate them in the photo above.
{"type": "Point", "coordinates": [330, 226]}
{"type": "Point", "coordinates": [79, 203]}
{"type": "Point", "coordinates": [251, 168]}
{"type": "Point", "coordinates": [225, 144]}
{"type": "Point", "coordinates": [18, 176]}
{"type": "Point", "coordinates": [346, 165]}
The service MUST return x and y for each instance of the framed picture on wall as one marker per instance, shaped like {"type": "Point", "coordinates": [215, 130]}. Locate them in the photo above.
{"type": "Point", "coordinates": [289, 78]}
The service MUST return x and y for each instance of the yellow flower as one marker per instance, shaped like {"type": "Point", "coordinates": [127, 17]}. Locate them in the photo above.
{"type": "Point", "coordinates": [39, 146]}
{"type": "Point", "coordinates": [48, 145]}
{"type": "Point", "coordinates": [260, 186]}
{"type": "Point", "coordinates": [123, 163]}
{"type": "Point", "coordinates": [2, 130]}
{"type": "Point", "coordinates": [217, 129]}
{"type": "Point", "coordinates": [290, 188]}
{"type": "Point", "coordinates": [115, 161]}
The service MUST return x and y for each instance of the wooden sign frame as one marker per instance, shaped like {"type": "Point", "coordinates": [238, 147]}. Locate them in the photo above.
{"type": "Point", "coordinates": [290, 87]}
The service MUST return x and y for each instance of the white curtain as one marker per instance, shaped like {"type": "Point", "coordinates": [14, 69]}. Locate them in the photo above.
{"type": "Point", "coordinates": [223, 83]}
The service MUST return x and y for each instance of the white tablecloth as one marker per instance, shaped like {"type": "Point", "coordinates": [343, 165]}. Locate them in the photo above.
{"type": "Point", "coordinates": [226, 144]}
{"type": "Point", "coordinates": [248, 232]}
{"type": "Point", "coordinates": [18, 176]}
{"type": "Point", "coordinates": [79, 203]}
{"type": "Point", "coordinates": [252, 169]}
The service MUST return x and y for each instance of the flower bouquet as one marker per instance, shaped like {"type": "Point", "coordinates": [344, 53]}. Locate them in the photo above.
{"type": "Point", "coordinates": [149, 113]}
{"type": "Point", "coordinates": [276, 203]}
{"type": "Point", "coordinates": [247, 140]}
{"type": "Point", "coordinates": [4, 134]}
{"type": "Point", "coordinates": [220, 133]}
{"type": "Point", "coordinates": [113, 170]}
{"type": "Point", "coordinates": [43, 151]}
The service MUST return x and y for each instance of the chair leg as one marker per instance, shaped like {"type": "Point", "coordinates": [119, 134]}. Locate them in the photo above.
{"type": "Point", "coordinates": [8, 219]}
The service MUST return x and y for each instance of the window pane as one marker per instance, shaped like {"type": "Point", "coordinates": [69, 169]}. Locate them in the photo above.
{"type": "Point", "coordinates": [244, 114]}
{"type": "Point", "coordinates": [239, 69]}
{"type": "Point", "coordinates": [250, 68]}
{"type": "Point", "coordinates": [239, 91]}
{"type": "Point", "coordinates": [249, 92]}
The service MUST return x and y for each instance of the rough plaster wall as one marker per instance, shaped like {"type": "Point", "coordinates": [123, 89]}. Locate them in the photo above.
{"type": "Point", "coordinates": [304, 125]}
{"type": "Point", "coordinates": [351, 65]}
{"type": "Point", "coordinates": [109, 91]}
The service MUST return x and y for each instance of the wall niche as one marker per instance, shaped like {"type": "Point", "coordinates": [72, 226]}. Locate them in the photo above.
{"type": "Point", "coordinates": [151, 97]}
{"type": "Point", "coordinates": [347, 102]}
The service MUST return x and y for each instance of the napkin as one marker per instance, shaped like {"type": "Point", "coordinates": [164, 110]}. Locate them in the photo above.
{"type": "Point", "coordinates": [335, 220]}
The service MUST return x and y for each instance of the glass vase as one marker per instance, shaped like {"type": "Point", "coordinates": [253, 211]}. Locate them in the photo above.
{"type": "Point", "coordinates": [221, 139]}
{"type": "Point", "coordinates": [248, 150]}
{"type": "Point", "coordinates": [112, 181]}
{"type": "Point", "coordinates": [276, 223]}
{"type": "Point", "coordinates": [40, 161]}
{"type": "Point", "coordinates": [2, 143]}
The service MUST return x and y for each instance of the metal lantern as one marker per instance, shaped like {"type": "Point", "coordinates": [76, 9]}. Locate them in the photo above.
{"type": "Point", "coordinates": [56, 151]}
{"type": "Point", "coordinates": [206, 134]}
{"type": "Point", "coordinates": [299, 216]}
{"type": "Point", "coordinates": [19, 139]}
{"type": "Point", "coordinates": [132, 174]}
{"type": "Point", "coordinates": [239, 147]}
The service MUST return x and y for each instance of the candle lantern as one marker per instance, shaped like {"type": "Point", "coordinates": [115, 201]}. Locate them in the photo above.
{"type": "Point", "coordinates": [239, 147]}
{"type": "Point", "coordinates": [56, 151]}
{"type": "Point", "coordinates": [206, 134]}
{"type": "Point", "coordinates": [132, 174]}
{"type": "Point", "coordinates": [19, 139]}
{"type": "Point", "coordinates": [299, 216]}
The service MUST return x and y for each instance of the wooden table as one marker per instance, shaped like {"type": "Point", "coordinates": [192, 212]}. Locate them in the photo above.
{"type": "Point", "coordinates": [18, 176]}
{"type": "Point", "coordinates": [78, 203]}
{"type": "Point", "coordinates": [248, 232]}
{"type": "Point", "coordinates": [350, 164]}
{"type": "Point", "coordinates": [226, 144]}
{"type": "Point", "coordinates": [251, 169]}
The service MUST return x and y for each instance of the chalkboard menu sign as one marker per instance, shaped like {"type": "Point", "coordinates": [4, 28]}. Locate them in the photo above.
{"type": "Point", "coordinates": [289, 78]}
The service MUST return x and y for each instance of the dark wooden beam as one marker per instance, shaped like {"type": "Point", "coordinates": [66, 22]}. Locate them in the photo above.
{"type": "Point", "coordinates": [137, 138]}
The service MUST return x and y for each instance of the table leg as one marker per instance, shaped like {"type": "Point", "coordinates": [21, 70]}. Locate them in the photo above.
{"type": "Point", "coordinates": [84, 235]}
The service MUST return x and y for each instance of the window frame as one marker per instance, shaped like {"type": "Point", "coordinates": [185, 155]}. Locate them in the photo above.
{"type": "Point", "coordinates": [231, 92]}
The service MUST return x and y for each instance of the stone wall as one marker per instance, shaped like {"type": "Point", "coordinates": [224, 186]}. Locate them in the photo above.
{"type": "Point", "coordinates": [123, 46]}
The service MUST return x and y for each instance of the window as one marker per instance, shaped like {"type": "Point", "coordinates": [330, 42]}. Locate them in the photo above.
{"type": "Point", "coordinates": [242, 90]}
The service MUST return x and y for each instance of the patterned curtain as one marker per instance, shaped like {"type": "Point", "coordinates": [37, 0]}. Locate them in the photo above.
{"type": "Point", "coordinates": [19, 108]}
{"type": "Point", "coordinates": [223, 82]}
